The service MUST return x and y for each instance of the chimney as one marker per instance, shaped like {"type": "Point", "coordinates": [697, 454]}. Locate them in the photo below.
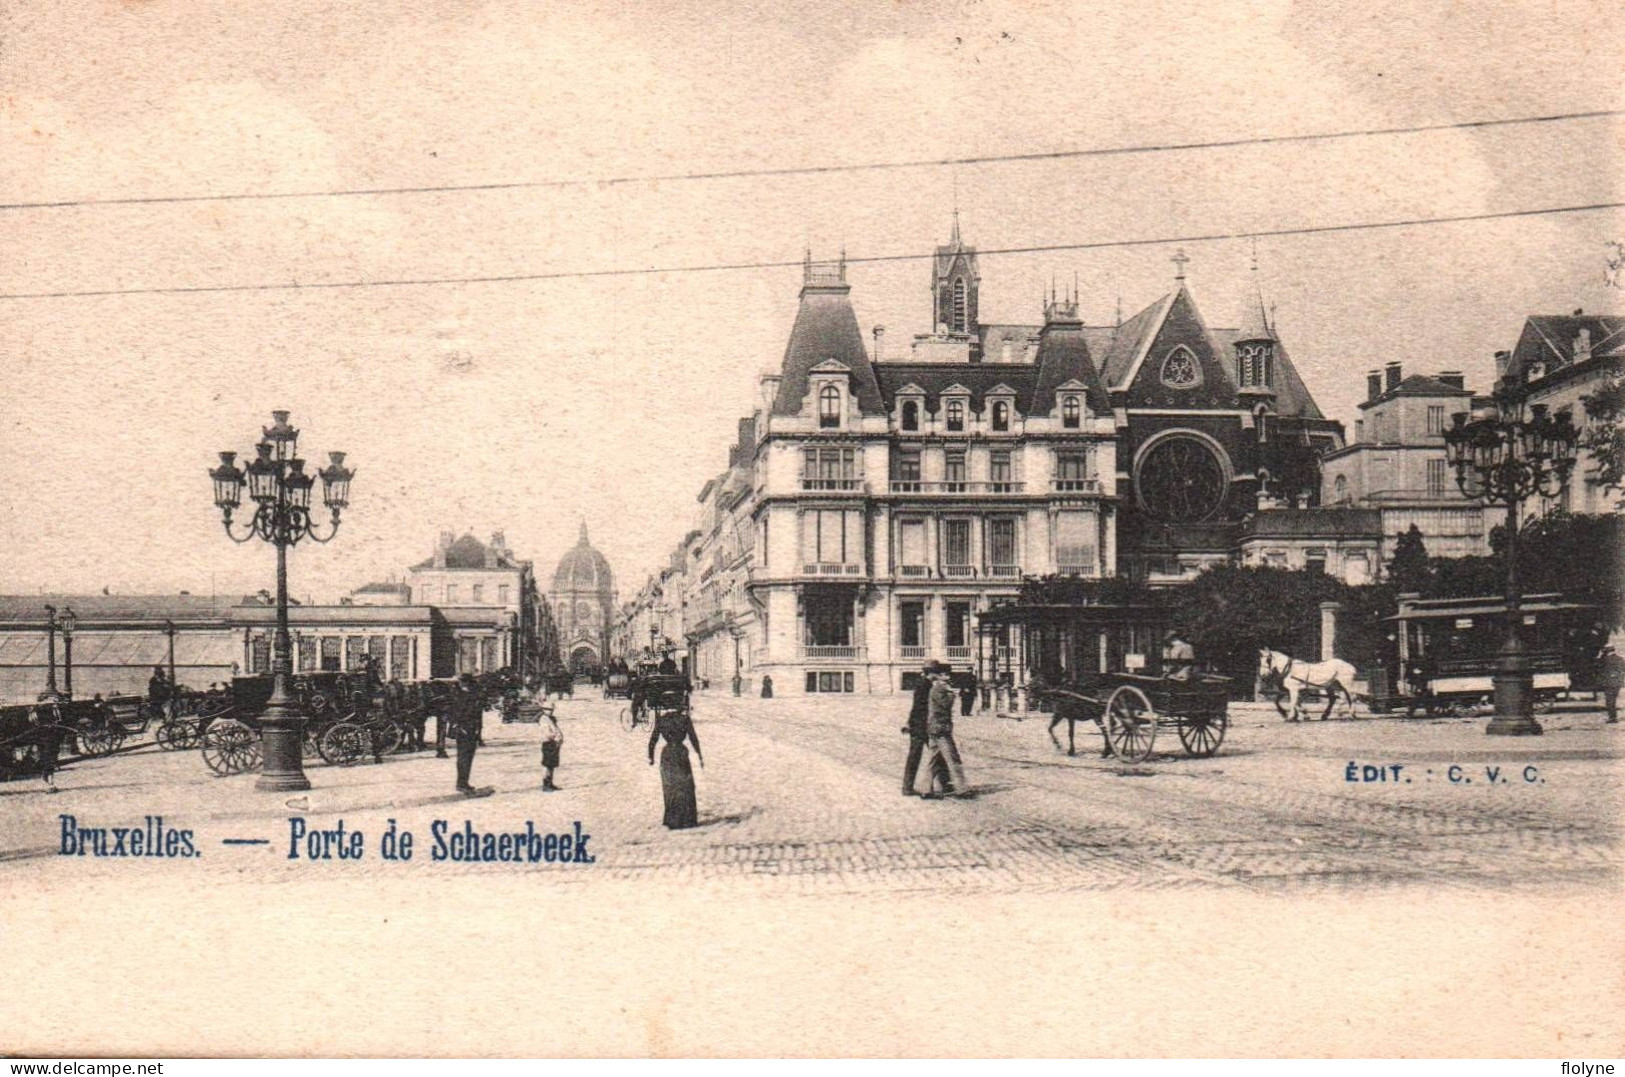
{"type": "Point", "coordinates": [1582, 346]}
{"type": "Point", "coordinates": [880, 343]}
{"type": "Point", "coordinates": [733, 456]}
{"type": "Point", "coordinates": [770, 389]}
{"type": "Point", "coordinates": [446, 539]}
{"type": "Point", "coordinates": [1373, 385]}
{"type": "Point", "coordinates": [1501, 361]}
{"type": "Point", "coordinates": [1453, 378]}
{"type": "Point", "coordinates": [499, 542]}
{"type": "Point", "coordinates": [1393, 371]}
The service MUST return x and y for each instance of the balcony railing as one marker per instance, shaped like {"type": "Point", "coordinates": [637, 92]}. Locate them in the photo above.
{"type": "Point", "coordinates": [959, 487]}
{"type": "Point", "coordinates": [1087, 569]}
{"type": "Point", "coordinates": [960, 653]}
{"type": "Point", "coordinates": [1004, 571]}
{"type": "Point", "coordinates": [1075, 486]}
{"type": "Point", "coordinates": [958, 571]}
{"type": "Point", "coordinates": [822, 568]}
{"type": "Point", "coordinates": [810, 483]}
{"type": "Point", "coordinates": [914, 571]}
{"type": "Point", "coordinates": [910, 650]}
{"type": "Point", "coordinates": [843, 653]}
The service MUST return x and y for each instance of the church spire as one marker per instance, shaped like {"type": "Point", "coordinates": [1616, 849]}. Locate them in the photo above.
{"type": "Point", "coordinates": [582, 541]}
{"type": "Point", "coordinates": [955, 284]}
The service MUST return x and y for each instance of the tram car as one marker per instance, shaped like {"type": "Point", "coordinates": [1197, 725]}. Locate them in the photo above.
{"type": "Point", "coordinates": [1455, 643]}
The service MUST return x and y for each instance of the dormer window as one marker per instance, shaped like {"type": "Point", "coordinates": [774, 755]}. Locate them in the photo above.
{"type": "Point", "coordinates": [956, 415]}
{"type": "Point", "coordinates": [1001, 415]}
{"type": "Point", "coordinates": [911, 415]}
{"type": "Point", "coordinates": [829, 407]}
{"type": "Point", "coordinates": [1071, 411]}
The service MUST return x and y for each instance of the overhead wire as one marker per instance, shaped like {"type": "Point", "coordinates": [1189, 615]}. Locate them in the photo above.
{"type": "Point", "coordinates": [721, 267]}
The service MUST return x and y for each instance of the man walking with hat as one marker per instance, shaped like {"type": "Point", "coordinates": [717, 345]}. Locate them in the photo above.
{"type": "Point", "coordinates": [917, 736]}
{"type": "Point", "coordinates": [941, 751]}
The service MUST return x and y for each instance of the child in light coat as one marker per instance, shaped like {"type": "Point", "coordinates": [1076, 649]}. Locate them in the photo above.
{"type": "Point", "coordinates": [552, 741]}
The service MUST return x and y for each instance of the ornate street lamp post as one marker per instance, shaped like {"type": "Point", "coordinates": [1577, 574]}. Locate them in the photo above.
{"type": "Point", "coordinates": [1506, 458]}
{"type": "Point", "coordinates": [50, 654]}
{"type": "Point", "coordinates": [67, 622]}
{"type": "Point", "coordinates": [280, 490]}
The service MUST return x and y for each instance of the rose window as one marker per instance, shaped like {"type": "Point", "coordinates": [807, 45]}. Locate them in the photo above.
{"type": "Point", "coordinates": [1181, 480]}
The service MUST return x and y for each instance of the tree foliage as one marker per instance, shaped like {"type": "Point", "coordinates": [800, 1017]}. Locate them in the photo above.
{"type": "Point", "coordinates": [1409, 570]}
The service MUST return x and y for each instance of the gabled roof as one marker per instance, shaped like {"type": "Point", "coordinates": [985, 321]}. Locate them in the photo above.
{"type": "Point", "coordinates": [1130, 342]}
{"type": "Point", "coordinates": [1549, 339]}
{"type": "Point", "coordinates": [826, 328]}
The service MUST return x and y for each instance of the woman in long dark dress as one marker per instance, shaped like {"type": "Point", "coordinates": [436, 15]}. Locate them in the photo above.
{"type": "Point", "coordinates": [676, 776]}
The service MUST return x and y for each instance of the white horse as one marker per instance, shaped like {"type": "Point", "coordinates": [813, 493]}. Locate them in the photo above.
{"type": "Point", "coordinates": [1295, 675]}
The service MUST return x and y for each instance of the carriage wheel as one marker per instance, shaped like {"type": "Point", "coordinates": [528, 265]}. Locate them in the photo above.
{"type": "Point", "coordinates": [1131, 724]}
{"type": "Point", "coordinates": [165, 737]}
{"type": "Point", "coordinates": [344, 744]}
{"type": "Point", "coordinates": [230, 747]}
{"type": "Point", "coordinates": [629, 721]}
{"type": "Point", "coordinates": [91, 743]}
{"type": "Point", "coordinates": [1202, 736]}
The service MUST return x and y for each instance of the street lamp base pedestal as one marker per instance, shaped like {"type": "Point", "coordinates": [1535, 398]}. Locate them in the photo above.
{"type": "Point", "coordinates": [1513, 727]}
{"type": "Point", "coordinates": [281, 783]}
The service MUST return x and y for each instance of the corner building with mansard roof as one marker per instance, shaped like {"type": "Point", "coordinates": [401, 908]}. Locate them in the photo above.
{"type": "Point", "coordinates": [902, 488]}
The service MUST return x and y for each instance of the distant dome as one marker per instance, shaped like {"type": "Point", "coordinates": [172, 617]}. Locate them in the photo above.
{"type": "Point", "coordinates": [583, 568]}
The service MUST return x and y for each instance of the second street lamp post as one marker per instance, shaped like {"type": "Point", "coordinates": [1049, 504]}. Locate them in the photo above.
{"type": "Point", "coordinates": [1507, 458]}
{"type": "Point", "coordinates": [67, 621]}
{"type": "Point", "coordinates": [50, 654]}
{"type": "Point", "coordinates": [280, 490]}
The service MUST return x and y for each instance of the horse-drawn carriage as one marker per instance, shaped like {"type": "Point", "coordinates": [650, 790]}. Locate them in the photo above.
{"type": "Point", "coordinates": [618, 685]}
{"type": "Point", "coordinates": [348, 717]}
{"type": "Point", "coordinates": [656, 694]}
{"type": "Point", "coordinates": [1102, 663]}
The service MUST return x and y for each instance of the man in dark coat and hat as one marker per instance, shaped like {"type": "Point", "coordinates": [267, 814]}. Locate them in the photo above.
{"type": "Point", "coordinates": [917, 736]}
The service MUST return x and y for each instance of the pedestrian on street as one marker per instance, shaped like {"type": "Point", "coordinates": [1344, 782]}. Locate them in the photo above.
{"type": "Point", "coordinates": [673, 724]}
{"type": "Point", "coordinates": [917, 736]}
{"type": "Point", "coordinates": [552, 742]}
{"type": "Point", "coordinates": [158, 689]}
{"type": "Point", "coordinates": [967, 693]}
{"type": "Point", "coordinates": [1611, 678]}
{"type": "Point", "coordinates": [1419, 672]}
{"type": "Point", "coordinates": [467, 716]}
{"type": "Point", "coordinates": [939, 729]}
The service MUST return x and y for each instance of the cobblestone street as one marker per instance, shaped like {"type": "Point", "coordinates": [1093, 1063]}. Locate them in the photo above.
{"type": "Point", "coordinates": [802, 796]}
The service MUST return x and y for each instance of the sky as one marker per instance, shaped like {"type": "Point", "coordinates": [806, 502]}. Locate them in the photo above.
{"type": "Point", "coordinates": [530, 407]}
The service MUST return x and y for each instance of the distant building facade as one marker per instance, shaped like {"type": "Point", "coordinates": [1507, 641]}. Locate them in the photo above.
{"type": "Point", "coordinates": [1397, 464]}
{"type": "Point", "coordinates": [490, 598]}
